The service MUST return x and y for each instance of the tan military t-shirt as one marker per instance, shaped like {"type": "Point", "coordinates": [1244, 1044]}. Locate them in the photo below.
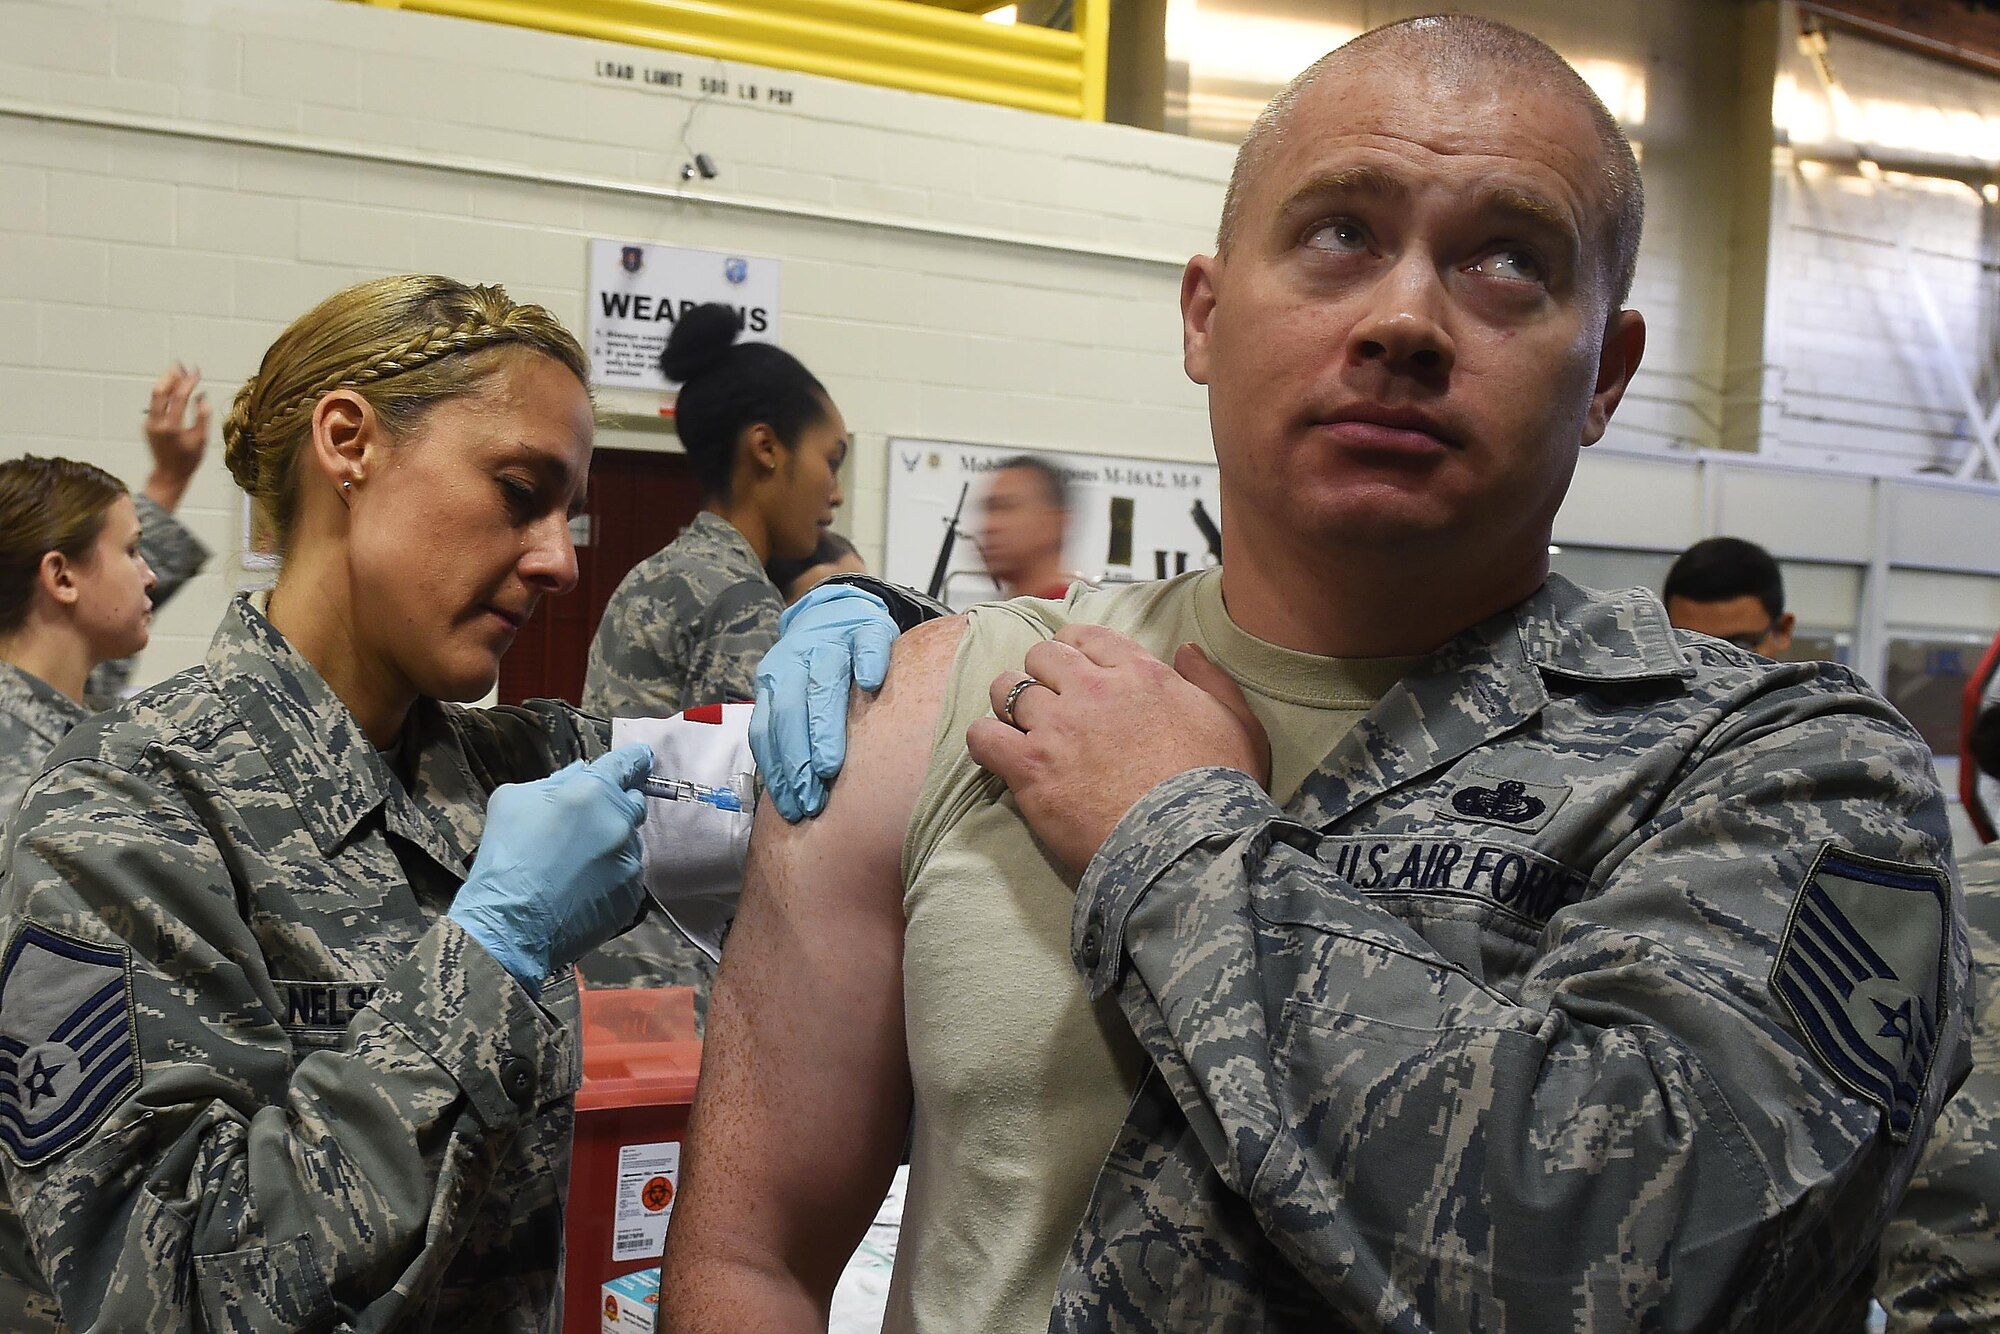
{"type": "Point", "coordinates": [1021, 1083]}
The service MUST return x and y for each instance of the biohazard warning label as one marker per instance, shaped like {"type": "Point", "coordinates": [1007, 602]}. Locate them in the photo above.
{"type": "Point", "coordinates": [649, 1177]}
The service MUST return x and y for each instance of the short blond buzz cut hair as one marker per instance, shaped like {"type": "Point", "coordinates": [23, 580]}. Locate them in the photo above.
{"type": "Point", "coordinates": [1464, 43]}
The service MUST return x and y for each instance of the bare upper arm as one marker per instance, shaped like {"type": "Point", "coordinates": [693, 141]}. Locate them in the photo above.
{"type": "Point", "coordinates": [805, 1086]}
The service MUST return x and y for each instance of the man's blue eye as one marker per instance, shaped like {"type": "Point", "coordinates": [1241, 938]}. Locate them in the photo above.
{"type": "Point", "coordinates": [1343, 235]}
{"type": "Point", "coordinates": [1519, 265]}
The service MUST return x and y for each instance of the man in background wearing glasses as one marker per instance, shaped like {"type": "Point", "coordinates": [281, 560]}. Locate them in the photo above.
{"type": "Point", "coordinates": [1731, 589]}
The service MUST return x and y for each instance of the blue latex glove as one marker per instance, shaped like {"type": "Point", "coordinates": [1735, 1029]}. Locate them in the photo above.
{"type": "Point", "coordinates": [832, 638]}
{"type": "Point", "coordinates": [557, 873]}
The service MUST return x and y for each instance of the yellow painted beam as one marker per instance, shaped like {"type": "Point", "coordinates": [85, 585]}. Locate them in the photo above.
{"type": "Point", "coordinates": [904, 16]}
{"type": "Point", "coordinates": [1093, 34]}
{"type": "Point", "coordinates": [894, 43]}
{"type": "Point", "coordinates": [879, 44]}
{"type": "Point", "coordinates": [775, 54]}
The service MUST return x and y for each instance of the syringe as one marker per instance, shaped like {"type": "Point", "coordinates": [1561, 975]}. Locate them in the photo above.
{"type": "Point", "coordinates": [682, 789]}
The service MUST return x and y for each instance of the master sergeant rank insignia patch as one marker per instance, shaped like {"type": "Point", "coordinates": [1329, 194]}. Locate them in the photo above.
{"type": "Point", "coordinates": [1862, 969]}
{"type": "Point", "coordinates": [68, 1047]}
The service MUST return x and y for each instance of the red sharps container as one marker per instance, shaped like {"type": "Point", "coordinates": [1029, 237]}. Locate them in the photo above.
{"type": "Point", "coordinates": [640, 1061]}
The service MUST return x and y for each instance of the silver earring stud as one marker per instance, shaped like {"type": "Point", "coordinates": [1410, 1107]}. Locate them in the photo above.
{"type": "Point", "coordinates": [347, 486]}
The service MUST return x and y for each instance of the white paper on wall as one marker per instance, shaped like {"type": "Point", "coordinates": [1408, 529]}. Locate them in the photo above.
{"type": "Point", "coordinates": [1130, 518]}
{"type": "Point", "coordinates": [638, 291]}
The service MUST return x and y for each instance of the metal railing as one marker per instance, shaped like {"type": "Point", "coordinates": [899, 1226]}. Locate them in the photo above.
{"type": "Point", "coordinates": [925, 48]}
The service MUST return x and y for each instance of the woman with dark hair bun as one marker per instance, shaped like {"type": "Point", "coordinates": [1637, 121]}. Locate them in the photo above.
{"type": "Point", "coordinates": [690, 623]}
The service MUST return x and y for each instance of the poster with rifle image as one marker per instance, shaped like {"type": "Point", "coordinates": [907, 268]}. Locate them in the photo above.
{"type": "Point", "coordinates": [1129, 518]}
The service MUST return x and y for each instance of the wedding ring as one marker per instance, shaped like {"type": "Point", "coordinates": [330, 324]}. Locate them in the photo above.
{"type": "Point", "coordinates": [1013, 698]}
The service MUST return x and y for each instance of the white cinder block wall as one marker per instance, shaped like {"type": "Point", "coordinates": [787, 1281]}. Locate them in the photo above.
{"type": "Point", "coordinates": [950, 269]}
{"type": "Point", "coordinates": [180, 178]}
{"type": "Point", "coordinates": [202, 171]}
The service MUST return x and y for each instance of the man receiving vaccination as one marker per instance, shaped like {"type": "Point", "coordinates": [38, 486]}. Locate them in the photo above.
{"type": "Point", "coordinates": [1546, 969]}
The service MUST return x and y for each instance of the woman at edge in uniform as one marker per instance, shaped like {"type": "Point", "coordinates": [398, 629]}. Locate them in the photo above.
{"type": "Point", "coordinates": [75, 592]}
{"type": "Point", "coordinates": [73, 597]}
{"type": "Point", "coordinates": [688, 625]}
{"type": "Point", "coordinates": [287, 1027]}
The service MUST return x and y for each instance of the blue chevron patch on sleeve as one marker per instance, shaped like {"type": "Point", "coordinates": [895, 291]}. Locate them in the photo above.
{"type": "Point", "coordinates": [1862, 969]}
{"type": "Point", "coordinates": [69, 1048]}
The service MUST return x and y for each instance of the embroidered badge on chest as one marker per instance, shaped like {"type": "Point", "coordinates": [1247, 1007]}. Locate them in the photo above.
{"type": "Point", "coordinates": [68, 1047]}
{"type": "Point", "coordinates": [1862, 969]}
{"type": "Point", "coordinates": [1514, 802]}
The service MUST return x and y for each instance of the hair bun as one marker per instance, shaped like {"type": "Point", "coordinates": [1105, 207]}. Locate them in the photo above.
{"type": "Point", "coordinates": [701, 338]}
{"type": "Point", "coordinates": [239, 441]}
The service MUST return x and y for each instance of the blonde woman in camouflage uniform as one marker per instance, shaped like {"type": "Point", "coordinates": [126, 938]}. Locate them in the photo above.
{"type": "Point", "coordinates": [689, 624]}
{"type": "Point", "coordinates": [287, 1022]}
{"type": "Point", "coordinates": [287, 1019]}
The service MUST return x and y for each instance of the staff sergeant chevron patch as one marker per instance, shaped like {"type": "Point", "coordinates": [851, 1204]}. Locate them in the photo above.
{"type": "Point", "coordinates": [1862, 969]}
{"type": "Point", "coordinates": [68, 1047]}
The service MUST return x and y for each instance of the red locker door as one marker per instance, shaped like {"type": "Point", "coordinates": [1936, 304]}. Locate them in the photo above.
{"type": "Point", "coordinates": [639, 501]}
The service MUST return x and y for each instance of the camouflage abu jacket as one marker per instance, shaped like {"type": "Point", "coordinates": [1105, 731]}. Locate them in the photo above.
{"type": "Point", "coordinates": [251, 1077]}
{"type": "Point", "coordinates": [1601, 978]}
{"type": "Point", "coordinates": [34, 715]}
{"type": "Point", "coordinates": [687, 626]}
{"type": "Point", "coordinates": [1941, 1255]}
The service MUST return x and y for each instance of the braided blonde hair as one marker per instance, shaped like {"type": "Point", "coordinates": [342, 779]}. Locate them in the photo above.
{"type": "Point", "coordinates": [405, 344]}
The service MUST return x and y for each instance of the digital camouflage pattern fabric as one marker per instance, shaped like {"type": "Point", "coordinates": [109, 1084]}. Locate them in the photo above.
{"type": "Point", "coordinates": [654, 953]}
{"type": "Point", "coordinates": [687, 626]}
{"type": "Point", "coordinates": [176, 556]}
{"type": "Point", "coordinates": [341, 1109]}
{"type": "Point", "coordinates": [34, 718]}
{"type": "Point", "coordinates": [1482, 1031]}
{"type": "Point", "coordinates": [1941, 1256]}
{"type": "Point", "coordinates": [34, 715]}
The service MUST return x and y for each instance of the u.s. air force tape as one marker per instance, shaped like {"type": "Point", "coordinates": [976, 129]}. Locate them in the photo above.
{"type": "Point", "coordinates": [69, 1049]}
{"type": "Point", "coordinates": [1862, 969]}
